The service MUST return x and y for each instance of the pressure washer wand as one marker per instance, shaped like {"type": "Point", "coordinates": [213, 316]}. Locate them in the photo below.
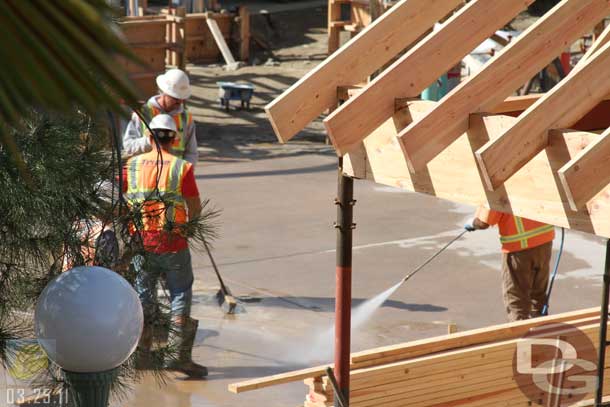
{"type": "Point", "coordinates": [435, 255]}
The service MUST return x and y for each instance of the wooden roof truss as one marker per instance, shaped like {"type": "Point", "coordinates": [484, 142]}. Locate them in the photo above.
{"type": "Point", "coordinates": [540, 156]}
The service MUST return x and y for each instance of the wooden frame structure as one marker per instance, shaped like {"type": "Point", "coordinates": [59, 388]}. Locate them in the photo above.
{"type": "Point", "coordinates": [541, 157]}
{"type": "Point", "coordinates": [172, 40]}
{"type": "Point", "coordinates": [532, 165]}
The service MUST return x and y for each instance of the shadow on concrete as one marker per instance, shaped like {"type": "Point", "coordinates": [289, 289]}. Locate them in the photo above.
{"type": "Point", "coordinates": [247, 134]}
{"type": "Point", "coordinates": [294, 171]}
{"type": "Point", "coordinates": [325, 304]}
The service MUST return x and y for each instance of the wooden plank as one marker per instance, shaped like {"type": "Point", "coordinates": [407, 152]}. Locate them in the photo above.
{"type": "Point", "coordinates": [220, 41]}
{"type": "Point", "coordinates": [244, 33]}
{"type": "Point", "coordinates": [360, 57]}
{"type": "Point", "coordinates": [516, 103]}
{"type": "Point", "coordinates": [334, 14]}
{"type": "Point", "coordinates": [411, 349]}
{"type": "Point", "coordinates": [419, 381]}
{"type": "Point", "coordinates": [468, 338]}
{"type": "Point", "coordinates": [417, 69]}
{"type": "Point", "coordinates": [515, 64]}
{"type": "Point", "coordinates": [561, 107]}
{"type": "Point", "coordinates": [281, 378]}
{"type": "Point", "coordinates": [533, 192]}
{"type": "Point", "coordinates": [587, 174]}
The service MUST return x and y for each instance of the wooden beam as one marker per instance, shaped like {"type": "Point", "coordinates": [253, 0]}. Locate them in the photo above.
{"type": "Point", "coordinates": [422, 347]}
{"type": "Point", "coordinates": [353, 63]}
{"type": "Point", "coordinates": [600, 41]}
{"type": "Point", "coordinates": [516, 63]}
{"type": "Point", "coordinates": [588, 173]}
{"type": "Point", "coordinates": [533, 192]}
{"type": "Point", "coordinates": [244, 34]}
{"type": "Point", "coordinates": [561, 107]}
{"type": "Point", "coordinates": [220, 41]}
{"type": "Point", "coordinates": [334, 14]}
{"type": "Point", "coordinates": [516, 103]}
{"type": "Point", "coordinates": [422, 65]}
{"type": "Point", "coordinates": [495, 333]}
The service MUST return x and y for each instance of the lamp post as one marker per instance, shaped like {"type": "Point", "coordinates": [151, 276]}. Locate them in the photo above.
{"type": "Point", "coordinates": [89, 321]}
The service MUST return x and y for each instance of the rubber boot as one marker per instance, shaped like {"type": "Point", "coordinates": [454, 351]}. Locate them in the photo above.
{"type": "Point", "coordinates": [144, 359]}
{"type": "Point", "coordinates": [183, 338]}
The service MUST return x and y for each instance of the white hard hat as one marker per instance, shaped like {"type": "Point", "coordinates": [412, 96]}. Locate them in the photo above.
{"type": "Point", "coordinates": [175, 83]}
{"type": "Point", "coordinates": [163, 121]}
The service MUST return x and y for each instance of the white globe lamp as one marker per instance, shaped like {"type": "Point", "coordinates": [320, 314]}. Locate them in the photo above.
{"type": "Point", "coordinates": [89, 321]}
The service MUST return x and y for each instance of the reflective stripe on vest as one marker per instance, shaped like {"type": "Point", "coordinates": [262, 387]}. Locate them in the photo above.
{"type": "Point", "coordinates": [523, 236]}
{"type": "Point", "coordinates": [160, 204]}
{"type": "Point", "coordinates": [179, 145]}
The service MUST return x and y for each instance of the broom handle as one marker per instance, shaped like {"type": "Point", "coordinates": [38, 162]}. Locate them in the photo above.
{"type": "Point", "coordinates": [222, 284]}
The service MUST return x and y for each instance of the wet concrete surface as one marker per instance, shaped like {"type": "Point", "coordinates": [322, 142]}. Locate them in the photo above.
{"type": "Point", "coordinates": [276, 252]}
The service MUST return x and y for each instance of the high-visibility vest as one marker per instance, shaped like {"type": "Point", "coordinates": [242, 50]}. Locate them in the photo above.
{"type": "Point", "coordinates": [161, 205]}
{"type": "Point", "coordinates": [183, 121]}
{"type": "Point", "coordinates": [517, 233]}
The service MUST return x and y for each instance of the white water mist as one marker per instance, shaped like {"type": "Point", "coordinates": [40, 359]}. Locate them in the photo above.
{"type": "Point", "coordinates": [322, 347]}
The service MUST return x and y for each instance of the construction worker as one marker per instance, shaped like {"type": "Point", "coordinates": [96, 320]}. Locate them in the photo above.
{"type": "Point", "coordinates": [174, 89]}
{"type": "Point", "coordinates": [526, 254]}
{"type": "Point", "coordinates": [160, 188]}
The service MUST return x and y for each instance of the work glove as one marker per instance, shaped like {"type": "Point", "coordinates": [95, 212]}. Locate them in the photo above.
{"type": "Point", "coordinates": [469, 227]}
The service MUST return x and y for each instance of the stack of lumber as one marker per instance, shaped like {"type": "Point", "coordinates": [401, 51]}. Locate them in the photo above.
{"type": "Point", "coordinates": [469, 369]}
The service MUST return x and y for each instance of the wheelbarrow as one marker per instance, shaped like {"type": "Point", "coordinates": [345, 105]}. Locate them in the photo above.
{"type": "Point", "coordinates": [228, 91]}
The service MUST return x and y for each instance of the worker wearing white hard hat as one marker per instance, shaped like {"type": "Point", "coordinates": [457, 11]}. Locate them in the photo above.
{"type": "Point", "coordinates": [163, 216]}
{"type": "Point", "coordinates": [174, 89]}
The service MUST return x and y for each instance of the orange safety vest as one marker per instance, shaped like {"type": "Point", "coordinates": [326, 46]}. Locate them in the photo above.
{"type": "Point", "coordinates": [179, 145]}
{"type": "Point", "coordinates": [517, 233]}
{"type": "Point", "coordinates": [161, 206]}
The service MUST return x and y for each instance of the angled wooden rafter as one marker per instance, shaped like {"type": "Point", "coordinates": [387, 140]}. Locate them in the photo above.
{"type": "Point", "coordinates": [534, 192]}
{"type": "Point", "coordinates": [516, 63]}
{"type": "Point", "coordinates": [588, 173]}
{"type": "Point", "coordinates": [561, 107]}
{"type": "Point", "coordinates": [410, 75]}
{"type": "Point", "coordinates": [368, 51]}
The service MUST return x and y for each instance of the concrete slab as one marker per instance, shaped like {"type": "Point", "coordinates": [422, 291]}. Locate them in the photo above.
{"type": "Point", "coordinates": [277, 253]}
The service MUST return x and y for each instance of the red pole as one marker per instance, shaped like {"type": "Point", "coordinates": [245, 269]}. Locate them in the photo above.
{"type": "Point", "coordinates": [343, 296]}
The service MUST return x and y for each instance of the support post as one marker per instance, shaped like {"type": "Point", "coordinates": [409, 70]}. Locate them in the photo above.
{"type": "Point", "coordinates": [244, 34]}
{"type": "Point", "coordinates": [90, 389]}
{"type": "Point", "coordinates": [343, 298]}
{"type": "Point", "coordinates": [603, 331]}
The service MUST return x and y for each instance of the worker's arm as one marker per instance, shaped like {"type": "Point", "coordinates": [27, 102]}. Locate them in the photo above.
{"type": "Point", "coordinates": [190, 149]}
{"type": "Point", "coordinates": [194, 207]}
{"type": "Point", "coordinates": [483, 218]}
{"type": "Point", "coordinates": [133, 140]}
{"type": "Point", "coordinates": [191, 194]}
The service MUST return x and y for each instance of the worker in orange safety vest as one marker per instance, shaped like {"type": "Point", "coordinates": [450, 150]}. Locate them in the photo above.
{"type": "Point", "coordinates": [160, 189]}
{"type": "Point", "coordinates": [527, 246]}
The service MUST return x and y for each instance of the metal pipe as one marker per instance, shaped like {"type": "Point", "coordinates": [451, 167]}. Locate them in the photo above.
{"type": "Point", "coordinates": [603, 330]}
{"type": "Point", "coordinates": [343, 297]}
